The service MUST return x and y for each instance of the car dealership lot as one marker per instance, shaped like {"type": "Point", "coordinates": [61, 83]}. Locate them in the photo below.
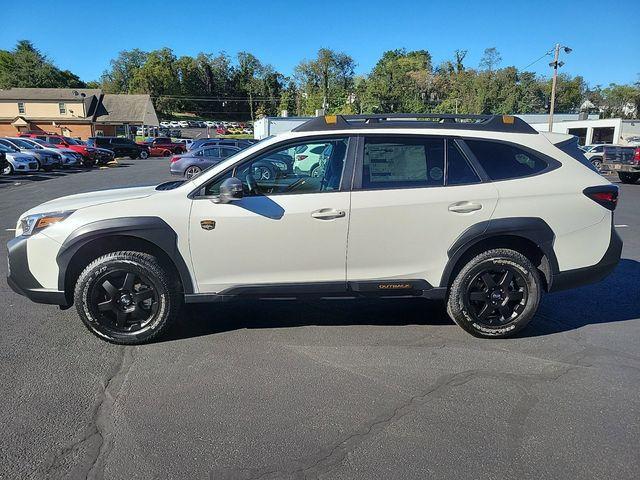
{"type": "Point", "coordinates": [343, 389]}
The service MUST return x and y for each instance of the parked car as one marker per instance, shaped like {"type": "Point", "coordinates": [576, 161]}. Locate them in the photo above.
{"type": "Point", "coordinates": [47, 160]}
{"type": "Point", "coordinates": [165, 124]}
{"type": "Point", "coordinates": [210, 124]}
{"type": "Point", "coordinates": [120, 146]}
{"type": "Point", "coordinates": [18, 162]}
{"type": "Point", "coordinates": [163, 147]}
{"type": "Point", "coordinates": [70, 158]}
{"type": "Point", "coordinates": [88, 153]}
{"type": "Point", "coordinates": [594, 154]}
{"type": "Point", "coordinates": [633, 141]}
{"type": "Point", "coordinates": [174, 124]}
{"type": "Point", "coordinates": [485, 215]}
{"type": "Point", "coordinates": [183, 124]}
{"type": "Point", "coordinates": [623, 160]}
{"type": "Point", "coordinates": [194, 162]}
{"type": "Point", "coordinates": [3, 162]}
{"type": "Point", "coordinates": [222, 130]}
{"type": "Point", "coordinates": [306, 159]}
{"type": "Point", "coordinates": [187, 142]}
{"type": "Point", "coordinates": [234, 142]}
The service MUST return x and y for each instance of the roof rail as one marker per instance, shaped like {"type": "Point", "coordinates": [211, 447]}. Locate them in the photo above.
{"type": "Point", "coordinates": [489, 123]}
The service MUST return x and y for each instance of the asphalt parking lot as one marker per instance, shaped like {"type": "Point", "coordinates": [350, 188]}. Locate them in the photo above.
{"type": "Point", "coordinates": [332, 390]}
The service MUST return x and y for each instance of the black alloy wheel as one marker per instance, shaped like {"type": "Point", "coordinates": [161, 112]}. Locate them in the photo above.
{"type": "Point", "coordinates": [497, 295]}
{"type": "Point", "coordinates": [123, 301]}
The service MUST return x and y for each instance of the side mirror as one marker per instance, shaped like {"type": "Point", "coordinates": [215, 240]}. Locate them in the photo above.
{"type": "Point", "coordinates": [230, 190]}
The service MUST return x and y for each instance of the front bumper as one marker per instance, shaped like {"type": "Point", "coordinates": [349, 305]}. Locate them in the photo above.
{"type": "Point", "coordinates": [23, 282]}
{"type": "Point", "coordinates": [592, 274]}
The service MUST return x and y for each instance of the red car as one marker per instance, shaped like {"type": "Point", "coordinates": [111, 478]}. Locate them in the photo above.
{"type": "Point", "coordinates": [89, 154]}
{"type": "Point", "coordinates": [163, 147]}
{"type": "Point", "coordinates": [221, 131]}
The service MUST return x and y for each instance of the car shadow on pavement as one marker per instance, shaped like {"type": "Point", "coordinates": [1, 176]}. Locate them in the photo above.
{"type": "Point", "coordinates": [614, 299]}
{"type": "Point", "coordinates": [36, 177]}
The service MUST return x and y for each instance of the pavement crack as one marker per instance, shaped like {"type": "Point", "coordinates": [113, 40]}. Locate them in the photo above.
{"type": "Point", "coordinates": [97, 435]}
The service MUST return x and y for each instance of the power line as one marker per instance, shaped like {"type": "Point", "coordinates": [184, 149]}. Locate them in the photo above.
{"type": "Point", "coordinates": [537, 59]}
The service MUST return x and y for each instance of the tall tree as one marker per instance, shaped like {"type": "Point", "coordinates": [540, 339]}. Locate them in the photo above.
{"type": "Point", "coordinates": [491, 58]}
{"type": "Point", "coordinates": [119, 77]}
{"type": "Point", "coordinates": [249, 68]}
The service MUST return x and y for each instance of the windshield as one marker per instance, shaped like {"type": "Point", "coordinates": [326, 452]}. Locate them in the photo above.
{"type": "Point", "coordinates": [5, 149]}
{"type": "Point", "coordinates": [23, 144]}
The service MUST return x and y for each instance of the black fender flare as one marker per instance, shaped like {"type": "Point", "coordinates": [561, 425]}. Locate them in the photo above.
{"type": "Point", "coordinates": [533, 229]}
{"type": "Point", "coordinates": [152, 229]}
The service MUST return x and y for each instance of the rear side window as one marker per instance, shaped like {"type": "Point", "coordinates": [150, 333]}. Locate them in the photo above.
{"type": "Point", "coordinates": [503, 161]}
{"type": "Point", "coordinates": [459, 171]}
{"type": "Point", "coordinates": [402, 162]}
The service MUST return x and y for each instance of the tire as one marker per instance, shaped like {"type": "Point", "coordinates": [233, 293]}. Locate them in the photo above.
{"type": "Point", "coordinates": [315, 171]}
{"type": "Point", "coordinates": [597, 163]}
{"type": "Point", "coordinates": [472, 292]}
{"type": "Point", "coordinates": [626, 177]}
{"type": "Point", "coordinates": [143, 154]}
{"type": "Point", "coordinates": [126, 298]}
{"type": "Point", "coordinates": [192, 171]}
{"type": "Point", "coordinates": [8, 170]}
{"type": "Point", "coordinates": [263, 171]}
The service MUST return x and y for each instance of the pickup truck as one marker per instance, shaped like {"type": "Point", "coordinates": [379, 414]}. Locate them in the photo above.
{"type": "Point", "coordinates": [624, 160]}
{"type": "Point", "coordinates": [163, 147]}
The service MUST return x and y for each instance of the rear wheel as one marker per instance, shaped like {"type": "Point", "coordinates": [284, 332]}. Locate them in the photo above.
{"type": "Point", "coordinates": [597, 163]}
{"type": "Point", "coordinates": [192, 171]}
{"type": "Point", "coordinates": [126, 297]}
{"type": "Point", "coordinates": [626, 177]}
{"type": "Point", "coordinates": [495, 295]}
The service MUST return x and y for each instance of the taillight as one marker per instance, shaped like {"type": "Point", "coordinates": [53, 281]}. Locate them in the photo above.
{"type": "Point", "coordinates": [175, 159]}
{"type": "Point", "coordinates": [636, 156]}
{"type": "Point", "coordinates": [605, 195]}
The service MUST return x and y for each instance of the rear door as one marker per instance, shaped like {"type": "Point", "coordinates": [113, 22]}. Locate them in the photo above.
{"type": "Point", "coordinates": [412, 197]}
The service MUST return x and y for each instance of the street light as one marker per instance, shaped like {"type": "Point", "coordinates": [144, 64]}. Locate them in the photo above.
{"type": "Point", "coordinates": [555, 65]}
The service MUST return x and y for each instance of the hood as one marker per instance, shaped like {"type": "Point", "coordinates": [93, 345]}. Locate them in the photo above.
{"type": "Point", "coordinates": [21, 156]}
{"type": "Point", "coordinates": [82, 200]}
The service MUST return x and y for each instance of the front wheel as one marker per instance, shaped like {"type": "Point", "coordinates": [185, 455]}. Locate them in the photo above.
{"type": "Point", "coordinates": [626, 177]}
{"type": "Point", "coordinates": [8, 170]}
{"type": "Point", "coordinates": [126, 297]}
{"type": "Point", "coordinates": [495, 295]}
{"type": "Point", "coordinates": [144, 154]}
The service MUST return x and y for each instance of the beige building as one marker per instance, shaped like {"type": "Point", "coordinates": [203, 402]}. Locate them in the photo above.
{"type": "Point", "coordinates": [79, 113]}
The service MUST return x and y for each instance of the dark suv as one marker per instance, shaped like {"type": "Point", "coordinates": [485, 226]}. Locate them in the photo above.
{"type": "Point", "coordinates": [121, 146]}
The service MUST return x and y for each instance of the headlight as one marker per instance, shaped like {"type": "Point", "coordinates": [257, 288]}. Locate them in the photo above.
{"type": "Point", "coordinates": [34, 223]}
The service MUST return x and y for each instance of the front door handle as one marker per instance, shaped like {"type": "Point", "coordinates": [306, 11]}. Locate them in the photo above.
{"type": "Point", "coordinates": [327, 214]}
{"type": "Point", "coordinates": [464, 207]}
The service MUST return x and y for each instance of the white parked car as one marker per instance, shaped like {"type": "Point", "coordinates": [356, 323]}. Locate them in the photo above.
{"type": "Point", "coordinates": [183, 124]}
{"type": "Point", "coordinates": [306, 158]}
{"type": "Point", "coordinates": [594, 154]}
{"type": "Point", "coordinates": [165, 124]}
{"type": "Point", "coordinates": [486, 214]}
{"type": "Point", "coordinates": [18, 162]}
{"type": "Point", "coordinates": [174, 124]}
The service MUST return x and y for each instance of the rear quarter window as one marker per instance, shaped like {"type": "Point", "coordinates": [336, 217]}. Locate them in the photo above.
{"type": "Point", "coordinates": [503, 161]}
{"type": "Point", "coordinates": [572, 148]}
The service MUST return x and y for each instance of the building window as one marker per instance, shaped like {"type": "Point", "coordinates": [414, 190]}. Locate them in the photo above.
{"type": "Point", "coordinates": [21, 109]}
{"type": "Point", "coordinates": [63, 108]}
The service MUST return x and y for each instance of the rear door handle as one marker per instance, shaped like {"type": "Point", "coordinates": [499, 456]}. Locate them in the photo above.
{"type": "Point", "coordinates": [464, 207]}
{"type": "Point", "coordinates": [328, 213]}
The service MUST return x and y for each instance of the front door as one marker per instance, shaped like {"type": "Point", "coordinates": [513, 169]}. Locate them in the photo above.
{"type": "Point", "coordinates": [409, 205]}
{"type": "Point", "coordinates": [289, 228]}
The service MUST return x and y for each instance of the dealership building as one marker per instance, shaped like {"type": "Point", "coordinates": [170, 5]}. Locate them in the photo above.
{"type": "Point", "coordinates": [79, 113]}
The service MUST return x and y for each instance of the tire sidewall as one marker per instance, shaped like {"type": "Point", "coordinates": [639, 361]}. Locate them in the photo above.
{"type": "Point", "coordinates": [457, 305]}
{"type": "Point", "coordinates": [87, 281]}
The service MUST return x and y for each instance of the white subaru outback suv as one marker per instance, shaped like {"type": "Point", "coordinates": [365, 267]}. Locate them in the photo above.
{"type": "Point", "coordinates": [482, 212]}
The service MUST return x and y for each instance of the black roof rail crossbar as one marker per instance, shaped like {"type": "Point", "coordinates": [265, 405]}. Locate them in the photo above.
{"type": "Point", "coordinates": [493, 123]}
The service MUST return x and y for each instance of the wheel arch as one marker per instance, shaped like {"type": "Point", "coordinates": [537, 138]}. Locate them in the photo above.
{"type": "Point", "coordinates": [145, 234]}
{"type": "Point", "coordinates": [530, 236]}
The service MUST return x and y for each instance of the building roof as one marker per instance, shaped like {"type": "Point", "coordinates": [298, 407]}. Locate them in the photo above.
{"type": "Point", "coordinates": [127, 108]}
{"type": "Point", "coordinates": [67, 94]}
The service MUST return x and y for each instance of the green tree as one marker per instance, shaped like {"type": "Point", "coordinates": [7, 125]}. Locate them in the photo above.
{"type": "Point", "coordinates": [491, 58]}
{"type": "Point", "coordinates": [158, 76]}
{"type": "Point", "coordinates": [119, 77]}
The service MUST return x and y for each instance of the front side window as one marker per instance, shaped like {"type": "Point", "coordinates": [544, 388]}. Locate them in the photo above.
{"type": "Point", "coordinates": [502, 161]}
{"type": "Point", "coordinates": [402, 162]}
{"type": "Point", "coordinates": [272, 173]}
{"type": "Point", "coordinates": [210, 152]}
{"type": "Point", "coordinates": [21, 109]}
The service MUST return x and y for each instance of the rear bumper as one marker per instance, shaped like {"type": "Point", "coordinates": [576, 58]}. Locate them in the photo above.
{"type": "Point", "coordinates": [23, 282]}
{"type": "Point", "coordinates": [592, 274]}
{"type": "Point", "coordinates": [622, 167]}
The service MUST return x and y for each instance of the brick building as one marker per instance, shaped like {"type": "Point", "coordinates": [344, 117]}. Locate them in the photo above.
{"type": "Point", "coordinates": [73, 112]}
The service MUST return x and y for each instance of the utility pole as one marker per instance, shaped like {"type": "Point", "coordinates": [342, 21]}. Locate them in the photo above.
{"type": "Point", "coordinates": [555, 65]}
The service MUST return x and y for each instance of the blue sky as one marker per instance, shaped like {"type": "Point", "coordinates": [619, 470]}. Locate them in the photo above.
{"type": "Point", "coordinates": [604, 35]}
